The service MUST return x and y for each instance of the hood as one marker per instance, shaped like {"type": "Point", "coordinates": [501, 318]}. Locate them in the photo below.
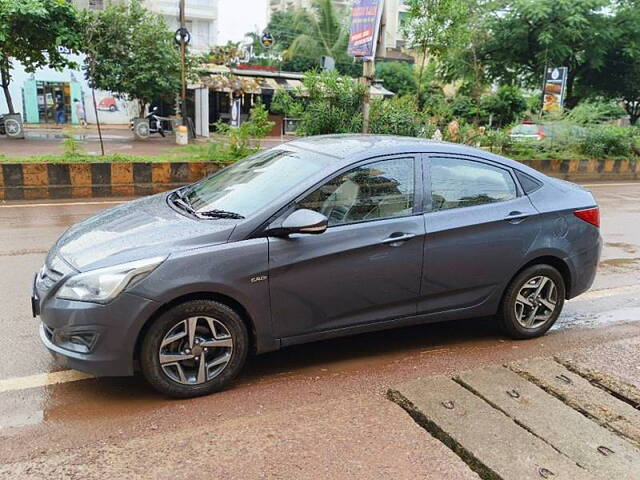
{"type": "Point", "coordinates": [134, 230]}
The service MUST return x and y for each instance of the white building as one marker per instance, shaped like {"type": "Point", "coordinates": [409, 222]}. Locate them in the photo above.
{"type": "Point", "coordinates": [201, 17]}
{"type": "Point", "coordinates": [34, 95]}
{"type": "Point", "coordinates": [283, 5]}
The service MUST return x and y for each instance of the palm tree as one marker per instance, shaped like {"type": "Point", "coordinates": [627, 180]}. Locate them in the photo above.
{"type": "Point", "coordinates": [325, 32]}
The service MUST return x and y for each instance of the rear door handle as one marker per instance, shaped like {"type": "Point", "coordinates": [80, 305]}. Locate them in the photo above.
{"type": "Point", "coordinates": [395, 239]}
{"type": "Point", "coordinates": [517, 217]}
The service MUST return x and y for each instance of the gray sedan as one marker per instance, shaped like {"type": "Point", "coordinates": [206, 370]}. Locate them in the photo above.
{"type": "Point", "coordinates": [317, 238]}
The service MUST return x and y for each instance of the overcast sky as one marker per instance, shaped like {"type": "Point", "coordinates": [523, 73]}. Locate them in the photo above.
{"type": "Point", "coordinates": [237, 17]}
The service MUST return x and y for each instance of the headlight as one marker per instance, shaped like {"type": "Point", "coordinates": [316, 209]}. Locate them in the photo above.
{"type": "Point", "coordinates": [104, 284]}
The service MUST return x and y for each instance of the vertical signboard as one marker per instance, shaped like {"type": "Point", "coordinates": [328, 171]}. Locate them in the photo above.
{"type": "Point", "coordinates": [555, 82]}
{"type": "Point", "coordinates": [365, 24]}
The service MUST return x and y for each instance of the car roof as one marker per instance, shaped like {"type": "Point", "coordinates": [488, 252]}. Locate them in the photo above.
{"type": "Point", "coordinates": [345, 149]}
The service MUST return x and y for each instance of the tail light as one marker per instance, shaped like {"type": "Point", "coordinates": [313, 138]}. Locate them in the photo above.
{"type": "Point", "coordinates": [589, 215]}
{"type": "Point", "coordinates": [541, 134]}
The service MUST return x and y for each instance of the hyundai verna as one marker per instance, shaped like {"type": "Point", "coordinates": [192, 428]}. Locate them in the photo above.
{"type": "Point", "coordinates": [317, 238]}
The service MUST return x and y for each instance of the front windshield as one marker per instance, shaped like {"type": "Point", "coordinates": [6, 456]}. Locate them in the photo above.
{"type": "Point", "coordinates": [253, 183]}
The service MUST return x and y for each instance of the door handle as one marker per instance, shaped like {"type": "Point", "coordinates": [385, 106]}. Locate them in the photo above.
{"type": "Point", "coordinates": [397, 238]}
{"type": "Point", "coordinates": [517, 217]}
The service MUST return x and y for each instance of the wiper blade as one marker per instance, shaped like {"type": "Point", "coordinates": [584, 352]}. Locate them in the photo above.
{"type": "Point", "coordinates": [182, 202]}
{"type": "Point", "coordinates": [219, 214]}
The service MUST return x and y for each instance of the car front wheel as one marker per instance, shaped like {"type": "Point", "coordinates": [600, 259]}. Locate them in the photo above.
{"type": "Point", "coordinates": [195, 348]}
{"type": "Point", "coordinates": [532, 302]}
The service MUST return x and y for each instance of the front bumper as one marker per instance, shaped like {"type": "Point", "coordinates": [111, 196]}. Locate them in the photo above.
{"type": "Point", "coordinates": [116, 327]}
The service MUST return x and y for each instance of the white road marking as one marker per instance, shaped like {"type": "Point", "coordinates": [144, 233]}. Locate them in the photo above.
{"type": "Point", "coordinates": [27, 205]}
{"type": "Point", "coordinates": [41, 380]}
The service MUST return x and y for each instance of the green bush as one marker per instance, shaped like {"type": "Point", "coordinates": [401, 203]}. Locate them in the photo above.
{"type": "Point", "coordinates": [397, 77]}
{"type": "Point", "coordinates": [396, 116]}
{"type": "Point", "coordinates": [505, 106]}
{"type": "Point", "coordinates": [245, 139]}
{"type": "Point", "coordinates": [595, 111]}
{"type": "Point", "coordinates": [464, 107]}
{"type": "Point", "coordinates": [608, 141]}
{"type": "Point", "coordinates": [333, 104]}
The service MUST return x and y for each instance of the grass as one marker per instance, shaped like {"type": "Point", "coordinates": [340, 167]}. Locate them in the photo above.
{"type": "Point", "coordinates": [208, 152]}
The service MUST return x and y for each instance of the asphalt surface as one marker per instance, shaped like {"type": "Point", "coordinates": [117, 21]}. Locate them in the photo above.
{"type": "Point", "coordinates": [310, 411]}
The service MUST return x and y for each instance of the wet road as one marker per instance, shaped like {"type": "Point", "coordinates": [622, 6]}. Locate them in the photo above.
{"type": "Point", "coordinates": [313, 408]}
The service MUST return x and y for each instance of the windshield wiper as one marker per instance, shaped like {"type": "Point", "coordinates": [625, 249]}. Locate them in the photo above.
{"type": "Point", "coordinates": [215, 213]}
{"type": "Point", "coordinates": [179, 200]}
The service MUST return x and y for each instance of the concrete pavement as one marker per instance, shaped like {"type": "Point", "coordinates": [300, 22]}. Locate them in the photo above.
{"type": "Point", "coordinates": [310, 411]}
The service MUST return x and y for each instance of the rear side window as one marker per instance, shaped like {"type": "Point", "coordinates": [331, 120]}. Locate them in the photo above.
{"type": "Point", "coordinates": [528, 183]}
{"type": "Point", "coordinates": [459, 183]}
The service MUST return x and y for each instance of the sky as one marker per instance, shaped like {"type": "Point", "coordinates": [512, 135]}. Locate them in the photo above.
{"type": "Point", "coordinates": [237, 17]}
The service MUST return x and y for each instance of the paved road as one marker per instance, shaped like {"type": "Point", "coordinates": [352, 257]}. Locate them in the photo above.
{"type": "Point", "coordinates": [310, 411]}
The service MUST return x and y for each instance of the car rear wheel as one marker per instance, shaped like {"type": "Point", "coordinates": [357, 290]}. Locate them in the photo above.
{"type": "Point", "coordinates": [195, 348]}
{"type": "Point", "coordinates": [532, 302]}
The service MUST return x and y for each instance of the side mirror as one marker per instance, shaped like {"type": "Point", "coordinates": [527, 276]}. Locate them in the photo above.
{"type": "Point", "coordinates": [300, 221]}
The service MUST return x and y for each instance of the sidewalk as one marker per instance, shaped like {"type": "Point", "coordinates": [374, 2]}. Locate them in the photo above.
{"type": "Point", "coordinates": [116, 139]}
{"type": "Point", "coordinates": [567, 417]}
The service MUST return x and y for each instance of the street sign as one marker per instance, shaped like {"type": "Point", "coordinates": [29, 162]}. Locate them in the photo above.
{"type": "Point", "coordinates": [365, 25]}
{"type": "Point", "coordinates": [266, 40]}
{"type": "Point", "coordinates": [555, 82]}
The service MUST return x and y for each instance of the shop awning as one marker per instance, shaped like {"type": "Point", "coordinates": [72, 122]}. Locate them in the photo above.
{"type": "Point", "coordinates": [378, 91]}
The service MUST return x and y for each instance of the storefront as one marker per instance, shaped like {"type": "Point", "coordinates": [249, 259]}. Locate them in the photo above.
{"type": "Point", "coordinates": [215, 94]}
{"type": "Point", "coordinates": [36, 96]}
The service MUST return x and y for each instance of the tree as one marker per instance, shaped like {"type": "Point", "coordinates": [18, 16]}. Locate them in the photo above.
{"type": "Point", "coordinates": [526, 36]}
{"type": "Point", "coordinates": [432, 27]}
{"type": "Point", "coordinates": [323, 31]}
{"type": "Point", "coordinates": [618, 77]}
{"type": "Point", "coordinates": [31, 32]}
{"type": "Point", "coordinates": [131, 52]}
{"type": "Point", "coordinates": [399, 77]}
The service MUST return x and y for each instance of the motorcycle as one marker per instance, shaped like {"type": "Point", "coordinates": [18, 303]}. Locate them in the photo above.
{"type": "Point", "coordinates": [154, 124]}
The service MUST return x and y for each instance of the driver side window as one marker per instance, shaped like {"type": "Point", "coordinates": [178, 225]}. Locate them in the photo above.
{"type": "Point", "coordinates": [373, 191]}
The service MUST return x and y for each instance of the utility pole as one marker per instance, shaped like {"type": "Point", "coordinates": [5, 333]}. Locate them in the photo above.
{"type": "Point", "coordinates": [183, 53]}
{"type": "Point", "coordinates": [368, 70]}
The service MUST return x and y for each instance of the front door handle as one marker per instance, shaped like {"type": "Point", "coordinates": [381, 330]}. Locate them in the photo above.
{"type": "Point", "coordinates": [396, 239]}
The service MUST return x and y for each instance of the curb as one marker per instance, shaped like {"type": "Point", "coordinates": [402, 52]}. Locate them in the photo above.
{"type": "Point", "coordinates": [34, 181]}
{"type": "Point", "coordinates": [587, 170]}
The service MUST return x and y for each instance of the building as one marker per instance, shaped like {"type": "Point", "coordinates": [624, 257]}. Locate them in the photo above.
{"type": "Point", "coordinates": [395, 11]}
{"type": "Point", "coordinates": [35, 95]}
{"type": "Point", "coordinates": [201, 17]}
{"type": "Point", "coordinates": [283, 5]}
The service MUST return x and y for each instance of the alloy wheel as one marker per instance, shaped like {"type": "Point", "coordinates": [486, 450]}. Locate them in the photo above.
{"type": "Point", "coordinates": [536, 301]}
{"type": "Point", "coordinates": [195, 350]}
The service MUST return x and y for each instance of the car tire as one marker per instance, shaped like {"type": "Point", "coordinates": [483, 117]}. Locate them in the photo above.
{"type": "Point", "coordinates": [520, 300]}
{"type": "Point", "coordinates": [219, 341]}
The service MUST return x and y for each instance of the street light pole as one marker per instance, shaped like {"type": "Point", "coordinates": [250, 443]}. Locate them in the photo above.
{"type": "Point", "coordinates": [183, 51]}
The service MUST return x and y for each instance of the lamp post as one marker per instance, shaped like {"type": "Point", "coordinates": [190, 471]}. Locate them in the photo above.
{"type": "Point", "coordinates": [183, 51]}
